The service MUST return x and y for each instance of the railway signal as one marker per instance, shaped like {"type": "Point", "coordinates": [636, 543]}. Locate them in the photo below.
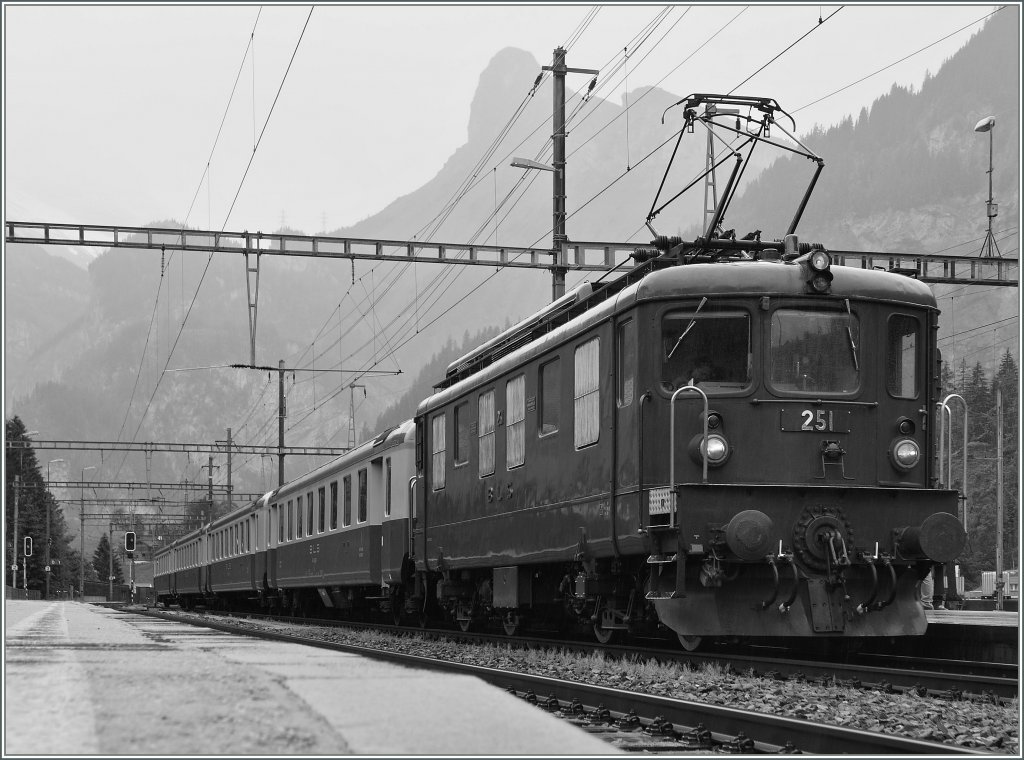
{"type": "Point", "coordinates": [28, 546]}
{"type": "Point", "coordinates": [129, 541]}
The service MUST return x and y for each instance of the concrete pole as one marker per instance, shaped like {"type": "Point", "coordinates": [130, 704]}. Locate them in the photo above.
{"type": "Point", "coordinates": [280, 422]}
{"type": "Point", "coordinates": [558, 70]}
{"type": "Point", "coordinates": [81, 536]}
{"type": "Point", "coordinates": [999, 499]}
{"type": "Point", "coordinates": [231, 505]}
{"type": "Point", "coordinates": [110, 562]}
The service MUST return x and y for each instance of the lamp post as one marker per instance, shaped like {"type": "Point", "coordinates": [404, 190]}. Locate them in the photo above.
{"type": "Point", "coordinates": [991, 209]}
{"type": "Point", "coordinates": [81, 537]}
{"type": "Point", "coordinates": [47, 497]}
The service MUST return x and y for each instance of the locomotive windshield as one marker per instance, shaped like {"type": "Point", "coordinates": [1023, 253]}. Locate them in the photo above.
{"type": "Point", "coordinates": [707, 347]}
{"type": "Point", "coordinates": [814, 351]}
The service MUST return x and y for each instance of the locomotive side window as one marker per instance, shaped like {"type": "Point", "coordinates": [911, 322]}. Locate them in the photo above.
{"type": "Point", "coordinates": [334, 505]}
{"type": "Point", "coordinates": [361, 514]}
{"type": "Point", "coordinates": [814, 351]}
{"type": "Point", "coordinates": [706, 347]}
{"type": "Point", "coordinates": [626, 344]}
{"type": "Point", "coordinates": [901, 356]}
{"type": "Point", "coordinates": [515, 429]}
{"type": "Point", "coordinates": [586, 395]}
{"type": "Point", "coordinates": [387, 487]}
{"type": "Point", "coordinates": [309, 513]}
{"type": "Point", "coordinates": [346, 517]}
{"type": "Point", "coordinates": [486, 424]}
{"type": "Point", "coordinates": [290, 520]}
{"type": "Point", "coordinates": [298, 516]}
{"type": "Point", "coordinates": [461, 433]}
{"type": "Point", "coordinates": [550, 383]}
{"type": "Point", "coordinates": [323, 509]}
{"type": "Point", "coordinates": [279, 519]}
{"type": "Point", "coordinates": [437, 451]}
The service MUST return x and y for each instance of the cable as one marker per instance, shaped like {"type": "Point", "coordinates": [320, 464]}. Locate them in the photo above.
{"type": "Point", "coordinates": [879, 71]}
{"type": "Point", "coordinates": [210, 259]}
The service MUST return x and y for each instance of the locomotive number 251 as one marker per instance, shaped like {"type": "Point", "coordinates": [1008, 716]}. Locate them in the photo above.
{"type": "Point", "coordinates": [815, 421]}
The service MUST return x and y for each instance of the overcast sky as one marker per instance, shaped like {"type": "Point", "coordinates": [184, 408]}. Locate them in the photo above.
{"type": "Point", "coordinates": [111, 112]}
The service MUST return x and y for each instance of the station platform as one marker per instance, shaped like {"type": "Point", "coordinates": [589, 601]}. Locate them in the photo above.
{"type": "Point", "coordinates": [114, 682]}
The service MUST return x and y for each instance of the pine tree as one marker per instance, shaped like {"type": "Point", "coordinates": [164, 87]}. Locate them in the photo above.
{"type": "Point", "coordinates": [34, 502]}
{"type": "Point", "coordinates": [101, 561]}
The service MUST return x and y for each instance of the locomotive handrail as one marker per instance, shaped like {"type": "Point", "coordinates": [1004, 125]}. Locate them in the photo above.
{"type": "Point", "coordinates": [672, 445]}
{"type": "Point", "coordinates": [949, 444]}
{"type": "Point", "coordinates": [640, 460]}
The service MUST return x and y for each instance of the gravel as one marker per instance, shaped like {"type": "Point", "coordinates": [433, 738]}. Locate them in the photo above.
{"type": "Point", "coordinates": [974, 723]}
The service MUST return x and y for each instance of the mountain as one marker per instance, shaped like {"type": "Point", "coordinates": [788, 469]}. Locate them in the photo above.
{"type": "Point", "coordinates": [76, 340]}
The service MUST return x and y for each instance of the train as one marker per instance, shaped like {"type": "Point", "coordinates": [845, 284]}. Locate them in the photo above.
{"type": "Point", "coordinates": [731, 440]}
{"type": "Point", "coordinates": [736, 448]}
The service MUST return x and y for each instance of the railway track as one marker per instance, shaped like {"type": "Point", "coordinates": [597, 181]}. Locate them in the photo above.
{"type": "Point", "coordinates": [951, 679]}
{"type": "Point", "coordinates": [629, 719]}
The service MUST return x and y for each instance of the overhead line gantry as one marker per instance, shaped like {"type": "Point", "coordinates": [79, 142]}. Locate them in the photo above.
{"type": "Point", "coordinates": [576, 256]}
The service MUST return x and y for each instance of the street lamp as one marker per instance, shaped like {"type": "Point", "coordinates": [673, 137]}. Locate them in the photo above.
{"type": "Point", "coordinates": [81, 537]}
{"type": "Point", "coordinates": [47, 497]}
{"type": "Point", "coordinates": [991, 209]}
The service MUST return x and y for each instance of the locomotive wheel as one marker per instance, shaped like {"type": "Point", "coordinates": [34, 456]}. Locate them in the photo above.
{"type": "Point", "coordinates": [511, 623]}
{"type": "Point", "coordinates": [602, 634]}
{"type": "Point", "coordinates": [690, 643]}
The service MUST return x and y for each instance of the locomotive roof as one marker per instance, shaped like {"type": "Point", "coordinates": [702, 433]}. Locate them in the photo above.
{"type": "Point", "coordinates": [730, 279]}
{"type": "Point", "coordinates": [764, 278]}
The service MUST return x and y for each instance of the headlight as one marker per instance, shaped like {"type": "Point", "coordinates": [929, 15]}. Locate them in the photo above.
{"type": "Point", "coordinates": [718, 449]}
{"type": "Point", "coordinates": [820, 261]}
{"type": "Point", "coordinates": [905, 454]}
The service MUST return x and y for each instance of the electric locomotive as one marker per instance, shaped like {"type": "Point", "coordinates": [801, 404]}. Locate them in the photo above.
{"type": "Point", "coordinates": [730, 440]}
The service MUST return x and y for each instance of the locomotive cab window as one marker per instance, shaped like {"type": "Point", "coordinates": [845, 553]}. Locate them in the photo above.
{"type": "Point", "coordinates": [706, 347]}
{"type": "Point", "coordinates": [901, 356]}
{"type": "Point", "coordinates": [815, 351]}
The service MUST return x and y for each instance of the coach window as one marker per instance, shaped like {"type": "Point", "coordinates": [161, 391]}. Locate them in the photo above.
{"type": "Point", "coordinates": [815, 351]}
{"type": "Point", "coordinates": [625, 339]}
{"type": "Point", "coordinates": [387, 487]}
{"type": "Point", "coordinates": [550, 382]}
{"type": "Point", "coordinates": [461, 452]}
{"type": "Point", "coordinates": [515, 427]}
{"type": "Point", "coordinates": [279, 517]}
{"type": "Point", "coordinates": [322, 493]}
{"type": "Point", "coordinates": [309, 513]}
{"type": "Point", "coordinates": [361, 515]}
{"type": "Point", "coordinates": [298, 516]}
{"type": "Point", "coordinates": [437, 444]}
{"type": "Point", "coordinates": [291, 520]}
{"type": "Point", "coordinates": [586, 394]}
{"type": "Point", "coordinates": [706, 347]}
{"type": "Point", "coordinates": [901, 356]}
{"type": "Point", "coordinates": [346, 517]}
{"type": "Point", "coordinates": [334, 505]}
{"type": "Point", "coordinates": [486, 432]}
